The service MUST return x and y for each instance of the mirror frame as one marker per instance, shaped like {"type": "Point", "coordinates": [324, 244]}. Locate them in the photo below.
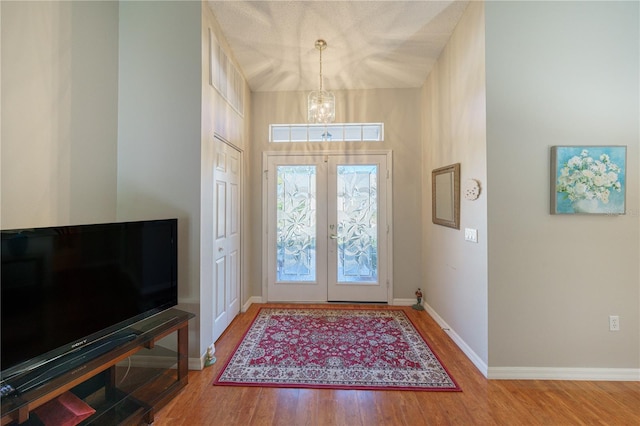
{"type": "Point", "coordinates": [454, 170]}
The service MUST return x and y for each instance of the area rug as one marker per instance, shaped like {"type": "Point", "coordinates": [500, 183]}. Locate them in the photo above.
{"type": "Point", "coordinates": [372, 349]}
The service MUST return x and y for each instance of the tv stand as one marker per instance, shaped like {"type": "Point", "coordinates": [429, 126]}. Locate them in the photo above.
{"type": "Point", "coordinates": [69, 362]}
{"type": "Point", "coordinates": [125, 382]}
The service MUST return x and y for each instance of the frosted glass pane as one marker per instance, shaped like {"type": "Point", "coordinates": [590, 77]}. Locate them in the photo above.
{"type": "Point", "coordinates": [357, 224]}
{"type": "Point", "coordinates": [353, 133]}
{"type": "Point", "coordinates": [296, 224]}
{"type": "Point", "coordinates": [371, 133]}
{"type": "Point", "coordinates": [280, 134]}
{"type": "Point", "coordinates": [334, 133]}
{"type": "Point", "coordinates": [298, 134]}
{"type": "Point", "coordinates": [317, 134]}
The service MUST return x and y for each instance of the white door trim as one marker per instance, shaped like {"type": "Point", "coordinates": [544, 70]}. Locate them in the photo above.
{"type": "Point", "coordinates": [265, 216]}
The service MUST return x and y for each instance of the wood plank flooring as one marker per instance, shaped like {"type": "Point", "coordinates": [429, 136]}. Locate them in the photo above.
{"type": "Point", "coordinates": [481, 402]}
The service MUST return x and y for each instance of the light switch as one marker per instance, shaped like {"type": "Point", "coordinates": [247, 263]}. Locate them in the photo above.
{"type": "Point", "coordinates": [471, 235]}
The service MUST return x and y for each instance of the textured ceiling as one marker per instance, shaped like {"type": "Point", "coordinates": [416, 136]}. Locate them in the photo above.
{"type": "Point", "coordinates": [371, 44]}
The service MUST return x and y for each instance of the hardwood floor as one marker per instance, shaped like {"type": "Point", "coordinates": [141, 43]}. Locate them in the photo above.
{"type": "Point", "coordinates": [481, 402]}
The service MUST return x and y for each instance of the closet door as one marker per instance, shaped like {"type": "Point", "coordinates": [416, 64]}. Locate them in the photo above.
{"type": "Point", "coordinates": [226, 271]}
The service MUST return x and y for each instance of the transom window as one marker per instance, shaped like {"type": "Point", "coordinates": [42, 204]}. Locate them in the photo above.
{"type": "Point", "coordinates": [337, 132]}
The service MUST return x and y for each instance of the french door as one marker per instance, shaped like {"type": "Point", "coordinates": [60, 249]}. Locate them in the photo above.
{"type": "Point", "coordinates": [327, 228]}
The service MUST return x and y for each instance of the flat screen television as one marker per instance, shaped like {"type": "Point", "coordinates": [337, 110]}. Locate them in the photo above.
{"type": "Point", "coordinates": [67, 287]}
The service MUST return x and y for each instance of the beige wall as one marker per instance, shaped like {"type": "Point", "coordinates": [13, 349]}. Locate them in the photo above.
{"type": "Point", "coordinates": [59, 113]}
{"type": "Point", "coordinates": [454, 131]}
{"type": "Point", "coordinates": [107, 114]}
{"type": "Point", "coordinates": [399, 111]}
{"type": "Point", "coordinates": [532, 298]}
{"type": "Point", "coordinates": [159, 130]}
{"type": "Point", "coordinates": [166, 154]}
{"type": "Point", "coordinates": [560, 73]}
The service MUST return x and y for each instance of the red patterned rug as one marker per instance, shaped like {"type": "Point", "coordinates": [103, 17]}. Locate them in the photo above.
{"type": "Point", "coordinates": [335, 348]}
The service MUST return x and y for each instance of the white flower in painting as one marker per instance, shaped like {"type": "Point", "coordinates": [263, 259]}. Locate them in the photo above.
{"type": "Point", "coordinates": [598, 167]}
{"type": "Point", "coordinates": [581, 190]}
{"type": "Point", "coordinates": [583, 178]}
{"type": "Point", "coordinates": [599, 180]}
{"type": "Point", "coordinates": [574, 162]}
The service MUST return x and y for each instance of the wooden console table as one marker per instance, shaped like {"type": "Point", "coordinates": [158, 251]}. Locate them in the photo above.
{"type": "Point", "coordinates": [126, 385]}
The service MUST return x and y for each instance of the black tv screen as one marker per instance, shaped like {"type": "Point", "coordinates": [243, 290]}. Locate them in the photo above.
{"type": "Point", "coordinates": [68, 286]}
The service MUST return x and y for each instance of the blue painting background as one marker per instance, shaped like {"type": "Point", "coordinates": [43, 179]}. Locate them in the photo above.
{"type": "Point", "coordinates": [617, 155]}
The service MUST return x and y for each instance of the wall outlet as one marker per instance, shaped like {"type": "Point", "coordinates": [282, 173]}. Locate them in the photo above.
{"type": "Point", "coordinates": [471, 235]}
{"type": "Point", "coordinates": [614, 323]}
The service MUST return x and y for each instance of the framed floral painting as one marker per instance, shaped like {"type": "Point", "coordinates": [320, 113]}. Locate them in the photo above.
{"type": "Point", "coordinates": [588, 179]}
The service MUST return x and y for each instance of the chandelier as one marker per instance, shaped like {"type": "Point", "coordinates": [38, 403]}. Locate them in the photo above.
{"type": "Point", "coordinates": [321, 104]}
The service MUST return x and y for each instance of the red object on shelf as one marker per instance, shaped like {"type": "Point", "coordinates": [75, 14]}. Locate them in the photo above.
{"type": "Point", "coordinates": [65, 410]}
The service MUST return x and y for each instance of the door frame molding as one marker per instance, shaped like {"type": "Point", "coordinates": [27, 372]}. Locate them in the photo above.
{"type": "Point", "coordinates": [265, 216]}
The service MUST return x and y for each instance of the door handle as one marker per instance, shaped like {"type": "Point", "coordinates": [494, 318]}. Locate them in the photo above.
{"type": "Point", "coordinates": [333, 236]}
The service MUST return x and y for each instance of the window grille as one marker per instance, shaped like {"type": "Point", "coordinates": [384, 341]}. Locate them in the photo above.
{"type": "Point", "coordinates": [345, 132]}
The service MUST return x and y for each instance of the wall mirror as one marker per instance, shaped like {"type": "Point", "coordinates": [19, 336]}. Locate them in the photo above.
{"type": "Point", "coordinates": [445, 196]}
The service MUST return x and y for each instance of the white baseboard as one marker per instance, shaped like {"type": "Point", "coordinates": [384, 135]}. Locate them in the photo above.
{"type": "Point", "coordinates": [403, 302]}
{"type": "Point", "coordinates": [536, 373]}
{"type": "Point", "coordinates": [199, 363]}
{"type": "Point", "coordinates": [473, 357]}
{"type": "Point", "coordinates": [559, 373]}
{"type": "Point", "coordinates": [196, 363]}
{"type": "Point", "coordinates": [251, 301]}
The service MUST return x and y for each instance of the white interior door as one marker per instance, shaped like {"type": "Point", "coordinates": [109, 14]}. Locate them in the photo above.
{"type": "Point", "coordinates": [327, 228]}
{"type": "Point", "coordinates": [226, 271]}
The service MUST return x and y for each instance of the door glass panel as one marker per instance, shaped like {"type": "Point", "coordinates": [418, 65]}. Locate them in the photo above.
{"type": "Point", "coordinates": [296, 223]}
{"type": "Point", "coordinates": [357, 224]}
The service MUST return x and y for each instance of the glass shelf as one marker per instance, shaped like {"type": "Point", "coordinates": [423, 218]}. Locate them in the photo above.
{"type": "Point", "coordinates": [125, 385]}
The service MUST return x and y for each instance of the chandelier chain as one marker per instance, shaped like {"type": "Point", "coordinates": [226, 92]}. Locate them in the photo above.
{"type": "Point", "coordinates": [321, 45]}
